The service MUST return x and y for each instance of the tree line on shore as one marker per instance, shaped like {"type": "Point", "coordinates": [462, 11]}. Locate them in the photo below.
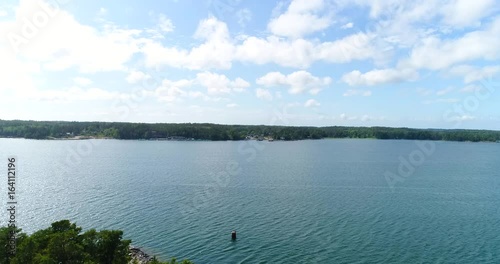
{"type": "Point", "coordinates": [215, 132]}
{"type": "Point", "coordinates": [64, 242]}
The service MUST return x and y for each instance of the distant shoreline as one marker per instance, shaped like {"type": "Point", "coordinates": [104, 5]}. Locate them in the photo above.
{"type": "Point", "coordinates": [55, 130]}
{"type": "Point", "coordinates": [241, 140]}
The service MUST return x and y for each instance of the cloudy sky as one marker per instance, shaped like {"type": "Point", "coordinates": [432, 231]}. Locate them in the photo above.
{"type": "Point", "coordinates": [411, 63]}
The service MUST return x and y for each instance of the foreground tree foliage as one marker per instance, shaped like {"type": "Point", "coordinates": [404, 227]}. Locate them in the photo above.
{"type": "Point", "coordinates": [56, 129]}
{"type": "Point", "coordinates": [64, 242]}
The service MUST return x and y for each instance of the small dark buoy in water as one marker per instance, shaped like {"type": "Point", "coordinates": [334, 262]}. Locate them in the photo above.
{"type": "Point", "coordinates": [233, 235]}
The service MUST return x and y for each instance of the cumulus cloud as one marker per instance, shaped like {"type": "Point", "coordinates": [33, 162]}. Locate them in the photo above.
{"type": "Point", "coordinates": [219, 83]}
{"type": "Point", "coordinates": [165, 24]}
{"type": "Point", "coordinates": [219, 50]}
{"type": "Point", "coordinates": [215, 84]}
{"type": "Point", "coordinates": [348, 25]}
{"type": "Point", "coordinates": [455, 37]}
{"type": "Point", "coordinates": [301, 53]}
{"type": "Point", "coordinates": [435, 54]}
{"type": "Point", "coordinates": [297, 82]}
{"type": "Point", "coordinates": [263, 94]}
{"type": "Point", "coordinates": [377, 77]}
{"type": "Point", "coordinates": [472, 73]}
{"type": "Point", "coordinates": [301, 18]}
{"type": "Point", "coordinates": [405, 23]}
{"type": "Point", "coordinates": [59, 46]}
{"type": "Point", "coordinates": [451, 13]}
{"type": "Point", "coordinates": [170, 91]}
{"type": "Point", "coordinates": [461, 13]}
{"type": "Point", "coordinates": [137, 76]}
{"type": "Point", "coordinates": [345, 116]}
{"type": "Point", "coordinates": [311, 103]}
{"type": "Point", "coordinates": [215, 52]}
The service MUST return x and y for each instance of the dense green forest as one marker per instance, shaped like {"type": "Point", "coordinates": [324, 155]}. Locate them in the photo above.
{"type": "Point", "coordinates": [58, 129]}
{"type": "Point", "coordinates": [64, 242]}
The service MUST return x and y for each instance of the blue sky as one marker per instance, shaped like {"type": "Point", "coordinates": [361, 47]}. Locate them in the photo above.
{"type": "Point", "coordinates": [424, 64]}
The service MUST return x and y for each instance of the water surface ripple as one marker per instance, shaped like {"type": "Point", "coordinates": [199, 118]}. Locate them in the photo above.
{"type": "Point", "coordinates": [323, 201]}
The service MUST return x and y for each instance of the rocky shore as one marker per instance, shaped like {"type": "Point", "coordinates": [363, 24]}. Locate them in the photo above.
{"type": "Point", "coordinates": [138, 255]}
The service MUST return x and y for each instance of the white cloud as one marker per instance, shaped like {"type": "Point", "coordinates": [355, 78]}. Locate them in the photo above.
{"type": "Point", "coordinates": [437, 35]}
{"type": "Point", "coordinates": [358, 46]}
{"type": "Point", "coordinates": [456, 13]}
{"type": "Point", "coordinates": [16, 73]}
{"type": "Point", "coordinates": [348, 25]}
{"type": "Point", "coordinates": [472, 73]}
{"type": "Point", "coordinates": [231, 105]}
{"type": "Point", "coordinates": [219, 83]}
{"type": "Point", "coordinates": [82, 81]}
{"type": "Point", "coordinates": [239, 85]}
{"type": "Point", "coordinates": [301, 53]}
{"type": "Point", "coordinates": [397, 22]}
{"type": "Point", "coordinates": [165, 24]}
{"type": "Point", "coordinates": [297, 82]}
{"type": "Point", "coordinates": [296, 53]}
{"type": "Point", "coordinates": [345, 116]}
{"type": "Point", "coordinates": [301, 18]}
{"type": "Point", "coordinates": [272, 79]}
{"type": "Point", "coordinates": [216, 52]}
{"type": "Point", "coordinates": [58, 44]}
{"type": "Point", "coordinates": [377, 77]}
{"type": "Point", "coordinates": [434, 53]}
{"type": "Point", "coordinates": [263, 94]}
{"type": "Point", "coordinates": [311, 103]}
{"type": "Point", "coordinates": [137, 76]}
{"type": "Point", "coordinates": [354, 92]}
{"type": "Point", "coordinates": [170, 91]}
{"type": "Point", "coordinates": [404, 23]}
{"type": "Point", "coordinates": [219, 50]}
{"type": "Point", "coordinates": [461, 13]}
{"type": "Point", "coordinates": [467, 117]}
{"type": "Point", "coordinates": [169, 94]}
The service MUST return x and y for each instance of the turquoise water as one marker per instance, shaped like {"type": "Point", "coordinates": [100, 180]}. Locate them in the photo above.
{"type": "Point", "coordinates": [325, 201]}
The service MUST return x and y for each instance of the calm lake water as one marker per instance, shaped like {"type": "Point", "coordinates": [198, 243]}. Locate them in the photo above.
{"type": "Point", "coordinates": [325, 201]}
